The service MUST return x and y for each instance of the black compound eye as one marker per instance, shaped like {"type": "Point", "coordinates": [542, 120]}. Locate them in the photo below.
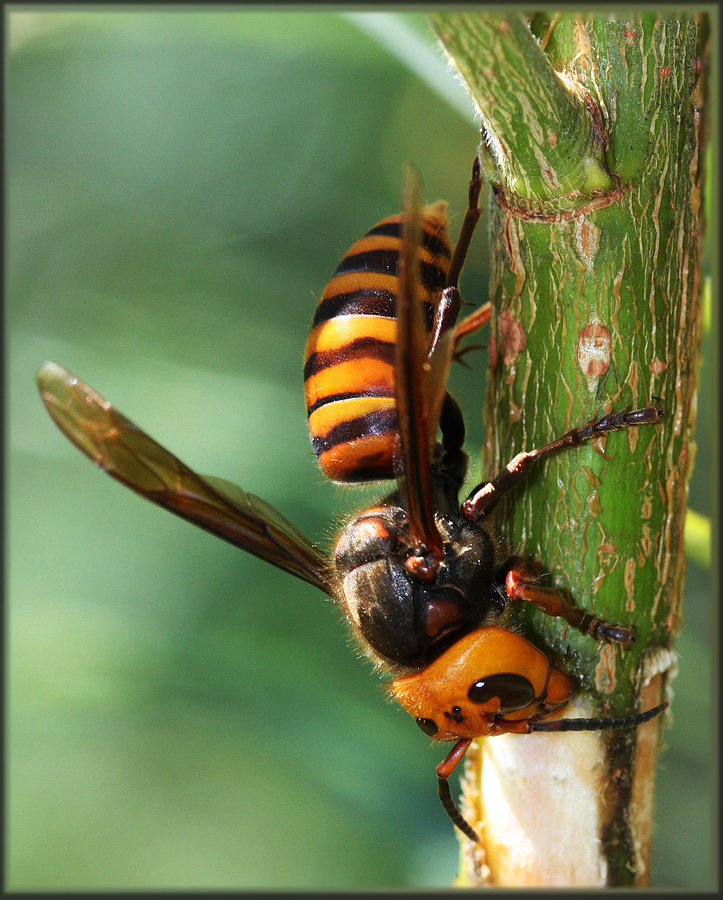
{"type": "Point", "coordinates": [428, 726]}
{"type": "Point", "coordinates": [514, 691]}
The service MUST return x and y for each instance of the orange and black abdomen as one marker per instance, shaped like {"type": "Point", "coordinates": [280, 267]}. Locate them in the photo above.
{"type": "Point", "coordinates": [349, 362]}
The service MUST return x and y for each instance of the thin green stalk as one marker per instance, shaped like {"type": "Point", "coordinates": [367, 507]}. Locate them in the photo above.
{"type": "Point", "coordinates": [595, 125]}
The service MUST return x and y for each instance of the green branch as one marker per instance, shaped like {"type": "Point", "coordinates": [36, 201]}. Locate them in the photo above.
{"type": "Point", "coordinates": [595, 305]}
{"type": "Point", "coordinates": [547, 142]}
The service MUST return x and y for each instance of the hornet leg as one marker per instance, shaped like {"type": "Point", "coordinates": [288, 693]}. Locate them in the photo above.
{"type": "Point", "coordinates": [480, 316]}
{"type": "Point", "coordinates": [513, 473]}
{"type": "Point", "coordinates": [520, 585]}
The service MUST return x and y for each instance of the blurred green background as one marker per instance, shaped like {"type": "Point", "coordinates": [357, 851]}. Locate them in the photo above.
{"type": "Point", "coordinates": [181, 186]}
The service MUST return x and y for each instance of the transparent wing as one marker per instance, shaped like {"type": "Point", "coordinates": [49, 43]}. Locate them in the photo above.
{"type": "Point", "coordinates": [438, 366]}
{"type": "Point", "coordinates": [130, 456]}
{"type": "Point", "coordinates": [412, 377]}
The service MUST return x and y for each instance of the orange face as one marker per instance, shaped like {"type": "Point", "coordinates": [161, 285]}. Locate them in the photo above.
{"type": "Point", "coordinates": [489, 675]}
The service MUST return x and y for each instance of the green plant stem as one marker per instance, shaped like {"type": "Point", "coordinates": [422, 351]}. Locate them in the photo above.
{"type": "Point", "coordinates": [595, 295]}
{"type": "Point", "coordinates": [545, 143]}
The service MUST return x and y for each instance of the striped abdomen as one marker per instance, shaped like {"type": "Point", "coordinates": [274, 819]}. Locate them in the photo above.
{"type": "Point", "coordinates": [349, 363]}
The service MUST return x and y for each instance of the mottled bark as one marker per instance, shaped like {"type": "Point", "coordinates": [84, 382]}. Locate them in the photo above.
{"type": "Point", "coordinates": [592, 145]}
